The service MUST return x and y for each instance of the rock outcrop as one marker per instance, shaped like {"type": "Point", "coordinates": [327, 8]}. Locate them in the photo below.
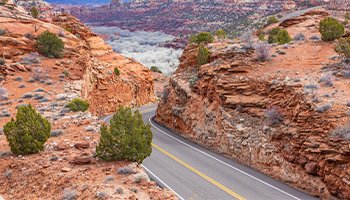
{"type": "Point", "coordinates": [89, 61]}
{"type": "Point", "coordinates": [262, 114]}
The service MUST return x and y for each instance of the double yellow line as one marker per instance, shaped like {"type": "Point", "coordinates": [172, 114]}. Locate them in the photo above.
{"type": "Point", "coordinates": [214, 182]}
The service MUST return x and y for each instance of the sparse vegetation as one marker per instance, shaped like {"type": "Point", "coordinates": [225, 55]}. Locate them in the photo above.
{"type": "Point", "coordinates": [263, 52]}
{"type": "Point", "coordinates": [273, 117]}
{"type": "Point", "coordinates": [50, 45]}
{"type": "Point", "coordinates": [193, 81]}
{"type": "Point", "coordinates": [331, 29]}
{"type": "Point", "coordinates": [203, 55]}
{"type": "Point", "coordinates": [2, 32]}
{"type": "Point", "coordinates": [203, 37]}
{"type": "Point", "coordinates": [116, 71]}
{"type": "Point", "coordinates": [32, 58]}
{"type": "Point", "coordinates": [155, 69]}
{"type": "Point", "coordinates": [66, 73]}
{"type": "Point", "coordinates": [327, 80]}
{"type": "Point", "coordinates": [272, 20]}
{"type": "Point", "coordinates": [39, 74]}
{"type": "Point", "coordinates": [273, 34]}
{"type": "Point", "coordinates": [34, 12]}
{"type": "Point", "coordinates": [262, 37]}
{"type": "Point", "coordinates": [323, 108]}
{"type": "Point", "coordinates": [221, 34]}
{"type": "Point", "coordinates": [343, 47]}
{"type": "Point", "coordinates": [343, 132]}
{"type": "Point", "coordinates": [3, 2]}
{"type": "Point", "coordinates": [29, 36]}
{"type": "Point", "coordinates": [78, 104]}
{"type": "Point", "coordinates": [299, 37]}
{"type": "Point", "coordinates": [283, 37]}
{"type": "Point", "coordinates": [69, 194]}
{"type": "Point", "coordinates": [2, 61]}
{"type": "Point", "coordinates": [127, 138]}
{"type": "Point", "coordinates": [28, 133]}
{"type": "Point", "coordinates": [247, 39]}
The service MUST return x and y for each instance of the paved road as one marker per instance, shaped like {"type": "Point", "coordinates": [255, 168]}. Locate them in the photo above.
{"type": "Point", "coordinates": [195, 173]}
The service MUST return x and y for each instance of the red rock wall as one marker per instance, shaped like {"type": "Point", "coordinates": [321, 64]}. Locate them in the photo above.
{"type": "Point", "coordinates": [224, 111]}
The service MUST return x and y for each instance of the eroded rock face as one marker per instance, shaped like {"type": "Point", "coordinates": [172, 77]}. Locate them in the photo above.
{"type": "Point", "coordinates": [87, 59]}
{"type": "Point", "coordinates": [222, 105]}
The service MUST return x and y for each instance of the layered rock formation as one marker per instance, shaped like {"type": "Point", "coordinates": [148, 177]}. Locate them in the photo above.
{"type": "Point", "coordinates": [67, 167]}
{"type": "Point", "coordinates": [183, 17]}
{"type": "Point", "coordinates": [263, 114]}
{"type": "Point", "coordinates": [89, 61]}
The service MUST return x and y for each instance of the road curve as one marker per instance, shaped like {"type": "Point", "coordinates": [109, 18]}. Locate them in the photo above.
{"type": "Point", "coordinates": [196, 173]}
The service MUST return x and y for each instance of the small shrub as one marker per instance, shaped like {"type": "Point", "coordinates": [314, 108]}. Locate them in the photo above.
{"type": "Point", "coordinates": [221, 34]}
{"type": "Point", "coordinates": [66, 73]}
{"type": "Point", "coordinates": [299, 37]}
{"type": "Point", "coordinates": [273, 117]}
{"type": "Point", "coordinates": [315, 38]}
{"type": "Point", "coordinates": [343, 132]}
{"type": "Point", "coordinates": [331, 29]}
{"type": "Point", "coordinates": [50, 45]}
{"type": "Point", "coordinates": [69, 194]}
{"type": "Point", "coordinates": [119, 190]}
{"type": "Point", "coordinates": [203, 37]}
{"type": "Point", "coordinates": [39, 74]}
{"type": "Point", "coordinates": [248, 40]}
{"type": "Point", "coordinates": [343, 47]}
{"type": "Point", "coordinates": [203, 55]}
{"type": "Point", "coordinates": [283, 37]}
{"type": "Point", "coordinates": [116, 71]}
{"type": "Point", "coordinates": [78, 104]}
{"type": "Point", "coordinates": [272, 20]}
{"type": "Point", "coordinates": [127, 138]}
{"type": "Point", "coordinates": [323, 108]}
{"type": "Point", "coordinates": [29, 36]}
{"type": "Point", "coordinates": [262, 37]}
{"type": "Point", "coordinates": [327, 80]}
{"type": "Point", "coordinates": [155, 69]}
{"type": "Point", "coordinates": [125, 170]}
{"type": "Point", "coordinates": [32, 58]}
{"type": "Point", "coordinates": [2, 61]}
{"type": "Point", "coordinates": [2, 32]}
{"type": "Point", "coordinates": [193, 81]}
{"type": "Point", "coordinates": [34, 12]}
{"type": "Point", "coordinates": [273, 34]}
{"type": "Point", "coordinates": [263, 52]}
{"type": "Point", "coordinates": [28, 133]}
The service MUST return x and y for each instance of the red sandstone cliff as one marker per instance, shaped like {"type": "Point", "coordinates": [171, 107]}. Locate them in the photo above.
{"type": "Point", "coordinates": [227, 105]}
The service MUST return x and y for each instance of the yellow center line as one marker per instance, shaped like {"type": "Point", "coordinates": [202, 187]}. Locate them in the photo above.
{"type": "Point", "coordinates": [214, 182]}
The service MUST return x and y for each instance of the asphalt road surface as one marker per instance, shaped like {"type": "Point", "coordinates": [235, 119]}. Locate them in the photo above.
{"type": "Point", "coordinates": [195, 173]}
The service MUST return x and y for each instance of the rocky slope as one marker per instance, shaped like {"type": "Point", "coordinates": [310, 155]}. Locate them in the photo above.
{"type": "Point", "coordinates": [275, 116]}
{"type": "Point", "coordinates": [182, 17]}
{"type": "Point", "coordinates": [67, 168]}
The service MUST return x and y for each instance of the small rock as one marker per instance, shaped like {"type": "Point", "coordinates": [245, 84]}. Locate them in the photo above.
{"type": "Point", "coordinates": [125, 170]}
{"type": "Point", "coordinates": [31, 80]}
{"type": "Point", "coordinates": [119, 190]}
{"type": "Point", "coordinates": [39, 90]}
{"type": "Point", "coordinates": [27, 96]}
{"type": "Point", "coordinates": [81, 160]}
{"type": "Point", "coordinates": [66, 169]}
{"type": "Point", "coordinates": [83, 145]}
{"type": "Point", "coordinates": [61, 146]}
{"type": "Point", "coordinates": [109, 179]}
{"type": "Point", "coordinates": [89, 129]}
{"type": "Point", "coordinates": [101, 195]}
{"type": "Point", "coordinates": [49, 82]}
{"type": "Point", "coordinates": [19, 78]}
{"type": "Point", "coordinates": [56, 132]}
{"type": "Point", "coordinates": [54, 158]}
{"type": "Point", "coordinates": [22, 86]}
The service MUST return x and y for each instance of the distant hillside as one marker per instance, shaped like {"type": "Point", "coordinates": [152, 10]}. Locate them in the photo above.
{"type": "Point", "coordinates": [79, 2]}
